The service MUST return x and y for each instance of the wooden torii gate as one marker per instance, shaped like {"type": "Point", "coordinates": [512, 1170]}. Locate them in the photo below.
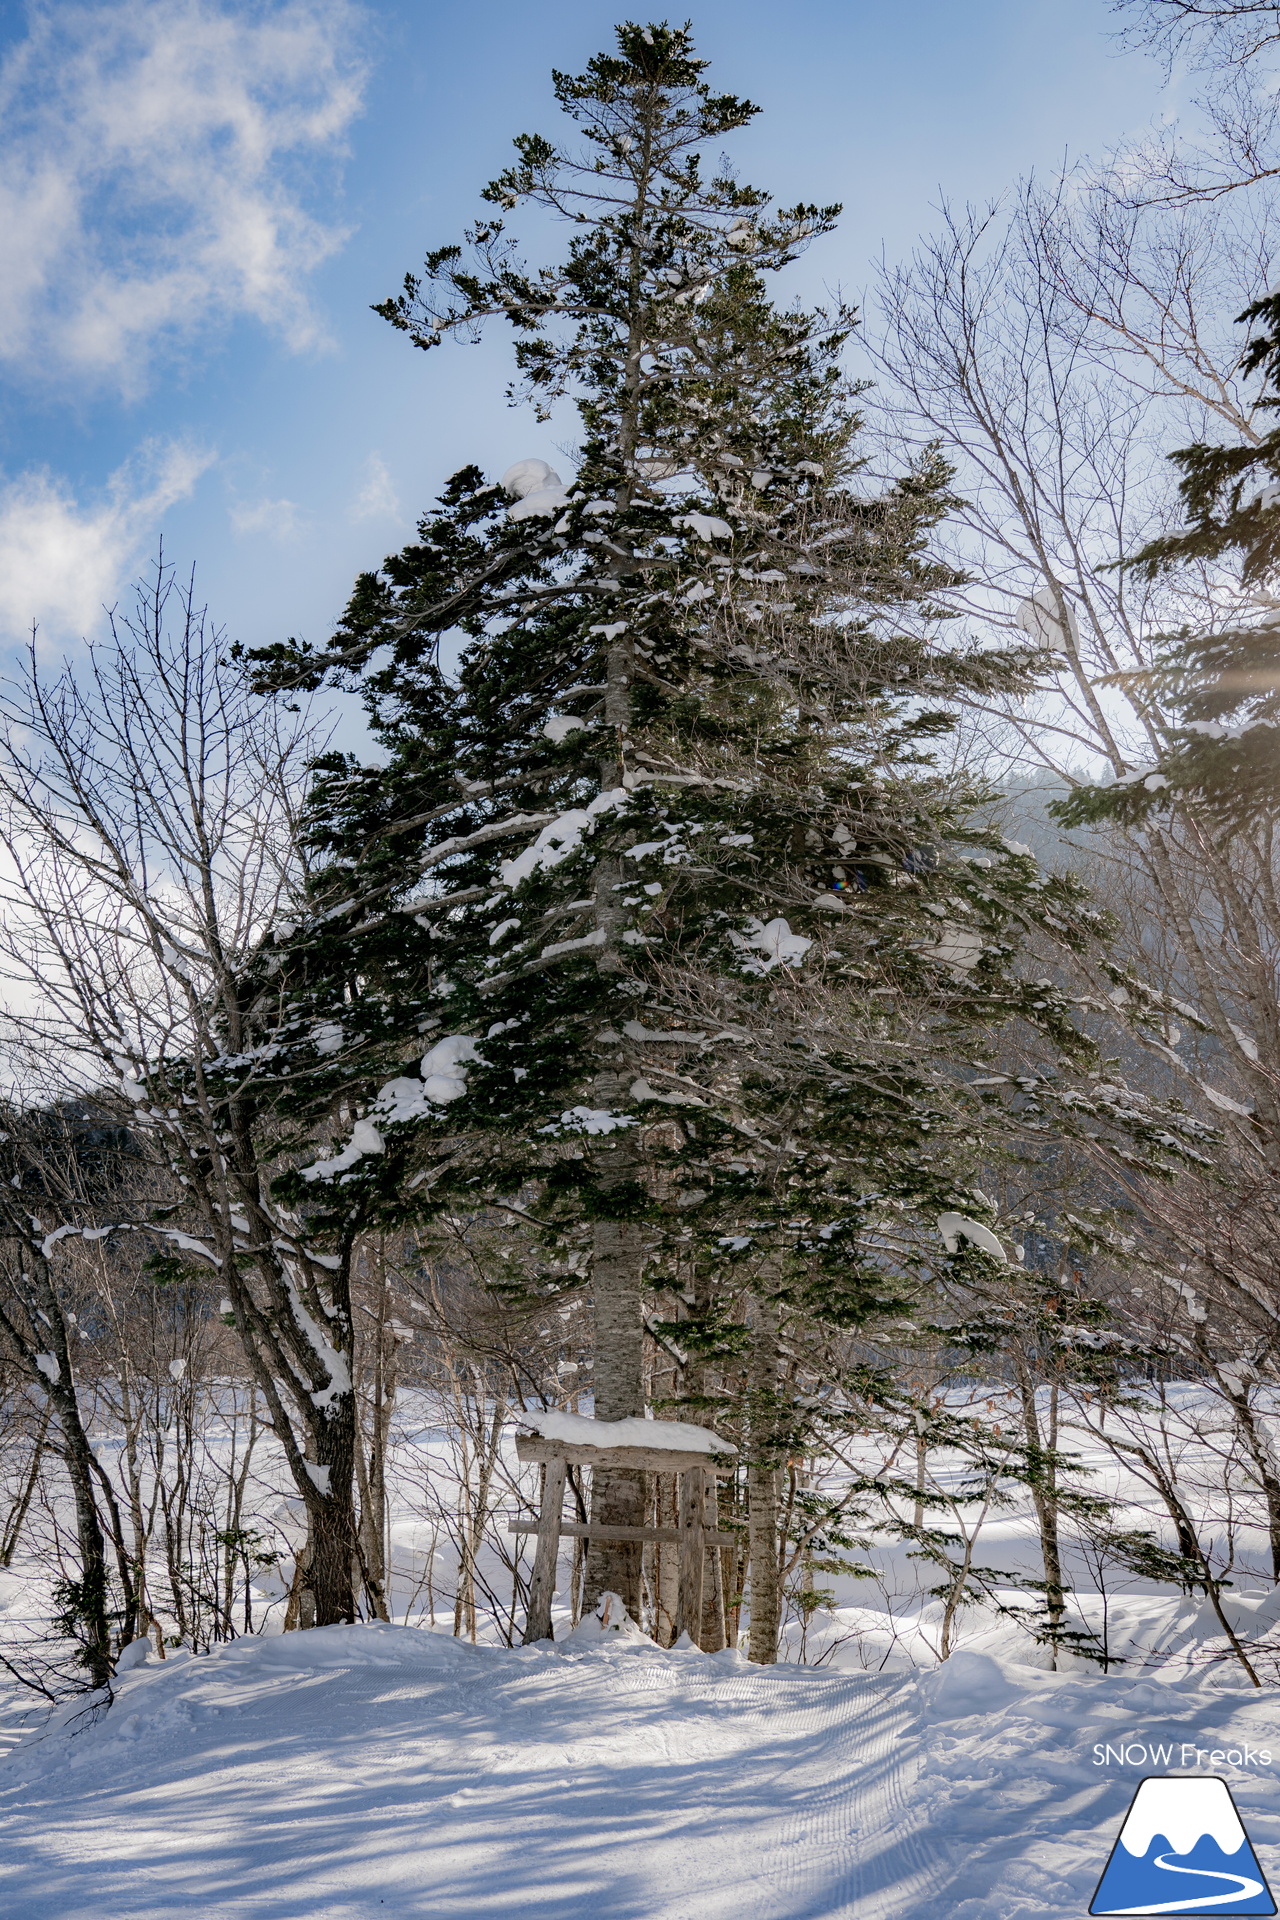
{"type": "Point", "coordinates": [692, 1536]}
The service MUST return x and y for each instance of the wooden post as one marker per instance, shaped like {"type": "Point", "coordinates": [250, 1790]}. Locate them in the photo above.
{"type": "Point", "coordinates": [712, 1637]}
{"type": "Point", "coordinates": [542, 1584]}
{"type": "Point", "coordinates": [692, 1495]}
{"type": "Point", "coordinates": [666, 1581]}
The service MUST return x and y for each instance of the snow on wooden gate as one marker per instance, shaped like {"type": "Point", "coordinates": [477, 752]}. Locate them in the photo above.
{"type": "Point", "coordinates": [558, 1441]}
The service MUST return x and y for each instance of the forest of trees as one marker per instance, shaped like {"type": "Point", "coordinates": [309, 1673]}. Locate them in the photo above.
{"type": "Point", "coordinates": [797, 950]}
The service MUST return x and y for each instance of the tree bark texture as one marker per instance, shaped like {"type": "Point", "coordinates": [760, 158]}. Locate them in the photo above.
{"type": "Point", "coordinates": [762, 1494]}
{"type": "Point", "coordinates": [91, 1588]}
{"type": "Point", "coordinates": [617, 1496]}
{"type": "Point", "coordinates": [85, 1599]}
{"type": "Point", "coordinates": [1044, 1496]}
{"type": "Point", "coordinates": [333, 1518]}
{"type": "Point", "coordinates": [710, 1634]}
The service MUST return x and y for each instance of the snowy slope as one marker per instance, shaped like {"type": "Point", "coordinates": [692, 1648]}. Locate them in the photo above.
{"type": "Point", "coordinates": [354, 1772]}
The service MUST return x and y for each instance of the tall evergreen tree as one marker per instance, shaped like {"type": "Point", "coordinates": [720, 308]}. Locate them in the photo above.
{"type": "Point", "coordinates": [682, 764]}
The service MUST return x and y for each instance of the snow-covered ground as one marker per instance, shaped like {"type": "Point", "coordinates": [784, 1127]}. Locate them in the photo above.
{"type": "Point", "coordinates": [380, 1769]}
{"type": "Point", "coordinates": [359, 1771]}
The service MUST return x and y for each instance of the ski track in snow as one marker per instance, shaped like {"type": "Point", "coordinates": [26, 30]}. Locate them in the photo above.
{"type": "Point", "coordinates": [355, 1772]}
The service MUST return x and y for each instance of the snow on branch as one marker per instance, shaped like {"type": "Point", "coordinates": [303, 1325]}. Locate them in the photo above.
{"type": "Point", "coordinates": [956, 1228]}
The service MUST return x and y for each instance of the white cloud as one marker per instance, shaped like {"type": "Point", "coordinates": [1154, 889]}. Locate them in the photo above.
{"type": "Point", "coordinates": [61, 561]}
{"type": "Point", "coordinates": [157, 174]}
{"type": "Point", "coordinates": [278, 519]}
{"type": "Point", "coordinates": [377, 498]}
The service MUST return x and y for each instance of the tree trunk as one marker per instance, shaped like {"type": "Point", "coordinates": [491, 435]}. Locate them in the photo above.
{"type": "Point", "coordinates": [1044, 1496]}
{"type": "Point", "coordinates": [369, 1531]}
{"type": "Point", "coordinates": [84, 1600]}
{"type": "Point", "coordinates": [1258, 1447]}
{"type": "Point", "coordinates": [618, 1257]}
{"type": "Point", "coordinates": [617, 1497]}
{"type": "Point", "coordinates": [762, 1495]}
{"type": "Point", "coordinates": [371, 1452]}
{"type": "Point", "coordinates": [21, 1507]}
{"type": "Point", "coordinates": [959, 1582]}
{"type": "Point", "coordinates": [130, 1414]}
{"type": "Point", "coordinates": [711, 1635]}
{"type": "Point", "coordinates": [1189, 1545]}
{"type": "Point", "coordinates": [333, 1518]}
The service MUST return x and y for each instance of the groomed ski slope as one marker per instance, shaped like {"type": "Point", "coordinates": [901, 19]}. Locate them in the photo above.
{"type": "Point", "coordinates": [360, 1771]}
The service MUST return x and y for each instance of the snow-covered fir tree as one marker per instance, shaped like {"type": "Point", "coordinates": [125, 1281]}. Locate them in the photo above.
{"type": "Point", "coordinates": [681, 769]}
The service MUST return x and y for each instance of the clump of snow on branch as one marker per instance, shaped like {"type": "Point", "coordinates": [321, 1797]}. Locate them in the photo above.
{"type": "Point", "coordinates": [442, 1077]}
{"type": "Point", "coordinates": [774, 942]}
{"type": "Point", "coordinates": [590, 1120]}
{"type": "Point", "coordinates": [956, 1228]}
{"type": "Point", "coordinates": [443, 1081]}
{"type": "Point", "coordinates": [365, 1138]}
{"type": "Point", "coordinates": [704, 525]}
{"type": "Point", "coordinates": [958, 947]}
{"type": "Point", "coordinates": [560, 838]}
{"type": "Point", "coordinates": [538, 490]}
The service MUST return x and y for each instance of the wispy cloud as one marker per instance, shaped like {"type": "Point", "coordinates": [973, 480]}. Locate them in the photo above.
{"type": "Point", "coordinates": [278, 519]}
{"type": "Point", "coordinates": [61, 561]}
{"type": "Point", "coordinates": [377, 498]}
{"type": "Point", "coordinates": [159, 173]}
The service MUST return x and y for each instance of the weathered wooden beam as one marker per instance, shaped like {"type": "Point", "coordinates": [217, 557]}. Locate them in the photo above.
{"type": "Point", "coordinates": [542, 1584]}
{"type": "Point", "coordinates": [689, 1614]}
{"type": "Point", "coordinates": [588, 1530]}
{"type": "Point", "coordinates": [712, 1637]}
{"type": "Point", "coordinates": [532, 1447]}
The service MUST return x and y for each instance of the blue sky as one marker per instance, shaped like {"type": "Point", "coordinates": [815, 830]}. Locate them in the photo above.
{"type": "Point", "coordinates": [199, 200]}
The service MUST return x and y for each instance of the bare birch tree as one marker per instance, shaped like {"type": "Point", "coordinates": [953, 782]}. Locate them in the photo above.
{"type": "Point", "coordinates": [1058, 351]}
{"type": "Point", "coordinates": [147, 810]}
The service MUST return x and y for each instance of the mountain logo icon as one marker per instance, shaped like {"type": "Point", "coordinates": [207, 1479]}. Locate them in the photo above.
{"type": "Point", "coordinates": [1183, 1849]}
